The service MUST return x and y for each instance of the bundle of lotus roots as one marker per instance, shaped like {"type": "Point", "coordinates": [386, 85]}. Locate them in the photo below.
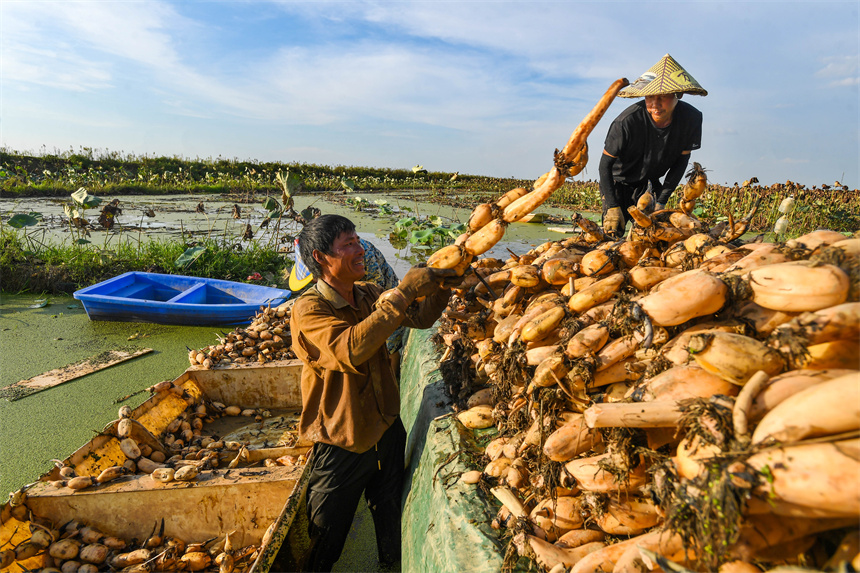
{"type": "Point", "coordinates": [676, 400]}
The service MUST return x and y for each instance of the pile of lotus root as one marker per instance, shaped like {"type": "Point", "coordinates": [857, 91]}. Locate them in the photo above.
{"type": "Point", "coordinates": [675, 400]}
{"type": "Point", "coordinates": [267, 338]}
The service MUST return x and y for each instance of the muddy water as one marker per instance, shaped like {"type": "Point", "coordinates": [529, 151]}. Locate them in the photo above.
{"type": "Point", "coordinates": [53, 423]}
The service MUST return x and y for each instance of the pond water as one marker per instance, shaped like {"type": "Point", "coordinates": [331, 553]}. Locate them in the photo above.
{"type": "Point", "coordinates": [146, 218]}
{"type": "Point", "coordinates": [36, 337]}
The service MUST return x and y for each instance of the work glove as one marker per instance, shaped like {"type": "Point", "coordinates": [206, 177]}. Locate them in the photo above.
{"type": "Point", "coordinates": [659, 207]}
{"type": "Point", "coordinates": [423, 281]}
{"type": "Point", "coordinates": [613, 222]}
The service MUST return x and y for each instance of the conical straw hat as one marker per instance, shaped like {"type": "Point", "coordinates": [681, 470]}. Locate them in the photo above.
{"type": "Point", "coordinates": [665, 77]}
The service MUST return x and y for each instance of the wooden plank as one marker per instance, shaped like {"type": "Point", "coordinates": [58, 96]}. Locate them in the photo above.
{"type": "Point", "coordinates": [58, 376]}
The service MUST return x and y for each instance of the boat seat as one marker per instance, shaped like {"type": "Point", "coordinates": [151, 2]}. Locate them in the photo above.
{"type": "Point", "coordinates": [134, 290]}
{"type": "Point", "coordinates": [192, 295]}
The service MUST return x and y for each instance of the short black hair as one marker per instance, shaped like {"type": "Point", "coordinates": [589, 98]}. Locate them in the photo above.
{"type": "Point", "coordinates": [319, 235]}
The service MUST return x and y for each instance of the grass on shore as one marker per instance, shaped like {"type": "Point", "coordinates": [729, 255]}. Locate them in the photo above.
{"type": "Point", "coordinates": [64, 268]}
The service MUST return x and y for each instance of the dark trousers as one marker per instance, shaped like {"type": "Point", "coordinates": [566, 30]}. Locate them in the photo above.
{"type": "Point", "coordinates": [627, 196]}
{"type": "Point", "coordinates": [338, 478]}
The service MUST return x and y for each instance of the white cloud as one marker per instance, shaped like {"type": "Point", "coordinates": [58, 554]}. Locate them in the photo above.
{"type": "Point", "coordinates": [841, 70]}
{"type": "Point", "coordinates": [846, 82]}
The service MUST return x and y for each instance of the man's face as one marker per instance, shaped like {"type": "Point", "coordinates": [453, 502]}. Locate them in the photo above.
{"type": "Point", "coordinates": [346, 264]}
{"type": "Point", "coordinates": [661, 107]}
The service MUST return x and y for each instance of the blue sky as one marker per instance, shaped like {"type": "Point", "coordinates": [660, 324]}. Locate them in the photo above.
{"type": "Point", "coordinates": [485, 88]}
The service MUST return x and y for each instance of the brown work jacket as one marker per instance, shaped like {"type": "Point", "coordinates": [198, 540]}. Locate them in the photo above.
{"type": "Point", "coordinates": [350, 395]}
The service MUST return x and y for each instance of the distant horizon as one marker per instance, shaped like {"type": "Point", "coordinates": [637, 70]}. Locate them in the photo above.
{"type": "Point", "coordinates": [594, 180]}
{"type": "Point", "coordinates": [484, 88]}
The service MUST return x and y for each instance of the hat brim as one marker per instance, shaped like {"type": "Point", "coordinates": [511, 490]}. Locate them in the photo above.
{"type": "Point", "coordinates": [296, 283]}
{"type": "Point", "coordinates": [663, 78]}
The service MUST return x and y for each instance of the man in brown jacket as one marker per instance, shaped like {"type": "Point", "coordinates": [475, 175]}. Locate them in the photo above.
{"type": "Point", "coordinates": [350, 395]}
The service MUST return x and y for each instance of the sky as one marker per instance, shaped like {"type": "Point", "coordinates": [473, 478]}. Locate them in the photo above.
{"type": "Point", "coordinates": [477, 87]}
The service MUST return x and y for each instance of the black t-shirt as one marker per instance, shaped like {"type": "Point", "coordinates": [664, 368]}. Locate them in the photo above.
{"type": "Point", "coordinates": [645, 152]}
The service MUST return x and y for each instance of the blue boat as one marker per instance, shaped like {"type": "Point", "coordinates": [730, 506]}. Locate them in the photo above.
{"type": "Point", "coordinates": [177, 299]}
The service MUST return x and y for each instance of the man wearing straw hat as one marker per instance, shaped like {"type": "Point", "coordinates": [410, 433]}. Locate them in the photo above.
{"type": "Point", "coordinates": [649, 140]}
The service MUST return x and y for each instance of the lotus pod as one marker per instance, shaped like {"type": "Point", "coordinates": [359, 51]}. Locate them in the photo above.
{"type": "Point", "coordinates": [684, 297]}
{"type": "Point", "coordinates": [734, 357]}
{"type": "Point", "coordinates": [799, 286]}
